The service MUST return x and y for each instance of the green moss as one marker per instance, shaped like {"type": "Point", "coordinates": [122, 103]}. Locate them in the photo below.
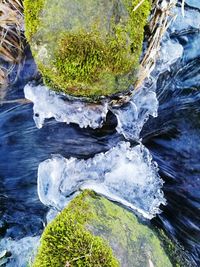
{"type": "Point", "coordinates": [32, 11]}
{"type": "Point", "coordinates": [89, 53]}
{"type": "Point", "coordinates": [67, 242]}
{"type": "Point", "coordinates": [175, 251]}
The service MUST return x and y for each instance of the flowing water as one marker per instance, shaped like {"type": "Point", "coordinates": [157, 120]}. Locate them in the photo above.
{"type": "Point", "coordinates": [172, 139]}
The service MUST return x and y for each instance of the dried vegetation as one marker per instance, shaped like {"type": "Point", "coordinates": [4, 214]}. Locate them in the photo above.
{"type": "Point", "coordinates": [11, 37]}
{"type": "Point", "coordinates": [160, 20]}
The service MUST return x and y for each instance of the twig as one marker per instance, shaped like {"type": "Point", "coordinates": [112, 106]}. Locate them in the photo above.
{"type": "Point", "coordinates": [19, 101]}
{"type": "Point", "coordinates": [159, 23]}
{"type": "Point", "coordinates": [138, 5]}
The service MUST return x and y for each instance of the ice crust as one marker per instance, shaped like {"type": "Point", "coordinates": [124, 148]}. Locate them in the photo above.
{"type": "Point", "coordinates": [190, 19]}
{"type": "Point", "coordinates": [49, 104]}
{"type": "Point", "coordinates": [22, 251]}
{"type": "Point", "coordinates": [170, 52]}
{"type": "Point", "coordinates": [132, 116]}
{"type": "Point", "coordinates": [193, 3]}
{"type": "Point", "coordinates": [124, 174]}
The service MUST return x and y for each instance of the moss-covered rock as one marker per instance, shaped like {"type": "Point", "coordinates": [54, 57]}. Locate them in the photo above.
{"type": "Point", "coordinates": [86, 47]}
{"type": "Point", "coordinates": [93, 231]}
{"type": "Point", "coordinates": [67, 241]}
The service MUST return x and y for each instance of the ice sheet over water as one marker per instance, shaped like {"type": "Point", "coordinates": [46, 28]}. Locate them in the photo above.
{"type": "Point", "coordinates": [49, 104]}
{"type": "Point", "coordinates": [125, 174]}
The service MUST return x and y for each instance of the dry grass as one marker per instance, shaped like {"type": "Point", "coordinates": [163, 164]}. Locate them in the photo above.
{"type": "Point", "coordinates": [161, 18]}
{"type": "Point", "coordinates": [11, 36]}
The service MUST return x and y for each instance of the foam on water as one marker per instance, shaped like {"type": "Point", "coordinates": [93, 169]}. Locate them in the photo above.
{"type": "Point", "coordinates": [124, 174]}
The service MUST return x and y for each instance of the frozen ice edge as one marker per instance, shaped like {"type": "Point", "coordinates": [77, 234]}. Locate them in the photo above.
{"type": "Point", "coordinates": [49, 104]}
{"type": "Point", "coordinates": [131, 117]}
{"type": "Point", "coordinates": [124, 174]}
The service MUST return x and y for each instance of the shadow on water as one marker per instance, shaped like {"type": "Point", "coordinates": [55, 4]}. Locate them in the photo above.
{"type": "Point", "coordinates": [173, 138]}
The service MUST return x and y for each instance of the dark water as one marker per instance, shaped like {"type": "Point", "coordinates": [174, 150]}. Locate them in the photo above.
{"type": "Point", "coordinates": [173, 138]}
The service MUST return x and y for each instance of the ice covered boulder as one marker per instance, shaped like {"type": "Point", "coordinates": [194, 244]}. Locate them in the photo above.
{"type": "Point", "coordinates": [86, 48]}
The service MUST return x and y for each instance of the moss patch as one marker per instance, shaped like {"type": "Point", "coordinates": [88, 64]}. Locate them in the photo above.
{"type": "Point", "coordinates": [32, 11]}
{"type": "Point", "coordinates": [88, 47]}
{"type": "Point", "coordinates": [177, 254]}
{"type": "Point", "coordinates": [66, 242]}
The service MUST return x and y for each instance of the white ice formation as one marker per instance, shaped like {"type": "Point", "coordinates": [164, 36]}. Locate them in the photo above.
{"type": "Point", "coordinates": [49, 104]}
{"type": "Point", "coordinates": [132, 116]}
{"type": "Point", "coordinates": [22, 251]}
{"type": "Point", "coordinates": [124, 174]}
{"type": "Point", "coordinates": [190, 19]}
{"type": "Point", "coordinates": [193, 3]}
{"type": "Point", "coordinates": [171, 51]}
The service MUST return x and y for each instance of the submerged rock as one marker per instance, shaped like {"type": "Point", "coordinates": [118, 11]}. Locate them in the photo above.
{"type": "Point", "coordinates": [92, 231]}
{"type": "Point", "coordinates": [86, 48]}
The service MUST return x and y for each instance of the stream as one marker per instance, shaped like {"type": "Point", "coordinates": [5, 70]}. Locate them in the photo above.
{"type": "Point", "coordinates": [169, 140]}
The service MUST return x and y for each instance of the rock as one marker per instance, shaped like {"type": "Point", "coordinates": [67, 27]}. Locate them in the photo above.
{"type": "Point", "coordinates": [93, 231]}
{"type": "Point", "coordinates": [88, 47]}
